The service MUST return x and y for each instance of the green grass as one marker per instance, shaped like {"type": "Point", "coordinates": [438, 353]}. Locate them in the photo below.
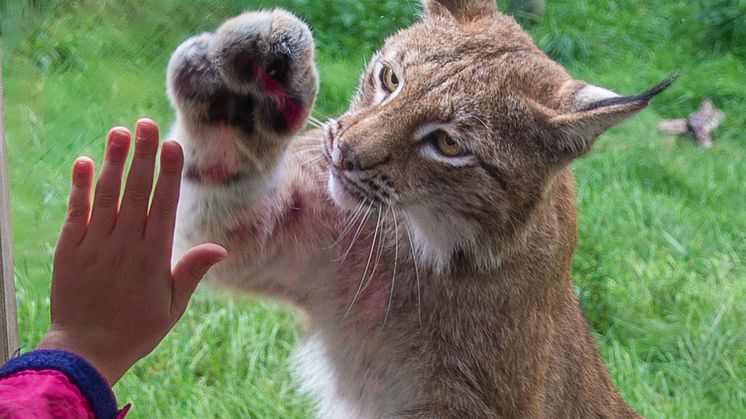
{"type": "Point", "coordinates": [660, 266]}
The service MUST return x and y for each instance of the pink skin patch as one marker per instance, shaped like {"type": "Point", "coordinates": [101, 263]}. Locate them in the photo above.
{"type": "Point", "coordinates": [212, 175]}
{"type": "Point", "coordinates": [373, 301]}
{"type": "Point", "coordinates": [291, 109]}
{"type": "Point", "coordinates": [220, 163]}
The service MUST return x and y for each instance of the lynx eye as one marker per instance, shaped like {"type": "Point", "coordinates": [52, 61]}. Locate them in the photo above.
{"type": "Point", "coordinates": [389, 79]}
{"type": "Point", "coordinates": [445, 144]}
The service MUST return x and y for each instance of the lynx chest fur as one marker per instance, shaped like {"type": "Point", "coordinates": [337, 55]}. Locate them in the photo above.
{"type": "Point", "coordinates": [426, 233]}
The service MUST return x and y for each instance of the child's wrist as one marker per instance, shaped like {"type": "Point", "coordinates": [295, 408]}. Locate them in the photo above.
{"type": "Point", "coordinates": [57, 340]}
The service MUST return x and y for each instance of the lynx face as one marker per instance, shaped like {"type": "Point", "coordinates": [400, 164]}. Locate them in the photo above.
{"type": "Point", "coordinates": [422, 137]}
{"type": "Point", "coordinates": [458, 135]}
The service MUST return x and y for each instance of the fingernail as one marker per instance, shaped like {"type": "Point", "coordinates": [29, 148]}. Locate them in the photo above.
{"type": "Point", "coordinates": [218, 259]}
{"type": "Point", "coordinates": [170, 151]}
{"type": "Point", "coordinates": [82, 171]}
{"type": "Point", "coordinates": [146, 129]}
{"type": "Point", "coordinates": [118, 132]}
{"type": "Point", "coordinates": [224, 254]}
{"type": "Point", "coordinates": [82, 165]}
{"type": "Point", "coordinates": [119, 137]}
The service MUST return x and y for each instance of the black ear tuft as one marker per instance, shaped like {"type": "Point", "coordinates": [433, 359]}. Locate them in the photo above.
{"type": "Point", "coordinates": [643, 98]}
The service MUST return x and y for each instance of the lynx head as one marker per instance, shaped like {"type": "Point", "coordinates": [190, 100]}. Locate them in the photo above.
{"type": "Point", "coordinates": [462, 123]}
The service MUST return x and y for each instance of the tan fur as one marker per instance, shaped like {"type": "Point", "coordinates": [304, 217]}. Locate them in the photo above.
{"type": "Point", "coordinates": [435, 286]}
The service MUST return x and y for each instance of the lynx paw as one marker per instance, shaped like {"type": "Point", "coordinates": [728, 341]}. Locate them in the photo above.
{"type": "Point", "coordinates": [270, 54]}
{"type": "Point", "coordinates": [255, 73]}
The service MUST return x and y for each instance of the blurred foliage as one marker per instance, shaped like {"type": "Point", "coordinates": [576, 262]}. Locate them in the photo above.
{"type": "Point", "coordinates": [58, 54]}
{"type": "Point", "coordinates": [361, 24]}
{"type": "Point", "coordinates": [725, 23]}
{"type": "Point", "coordinates": [345, 28]}
{"type": "Point", "coordinates": [701, 24]}
{"type": "Point", "coordinates": [527, 12]}
{"type": "Point", "coordinates": [566, 47]}
{"type": "Point", "coordinates": [341, 27]}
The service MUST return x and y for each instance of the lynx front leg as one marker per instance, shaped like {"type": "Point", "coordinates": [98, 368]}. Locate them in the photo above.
{"type": "Point", "coordinates": [240, 95]}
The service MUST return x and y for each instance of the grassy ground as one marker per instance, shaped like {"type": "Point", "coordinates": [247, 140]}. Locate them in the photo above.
{"type": "Point", "coordinates": [661, 263]}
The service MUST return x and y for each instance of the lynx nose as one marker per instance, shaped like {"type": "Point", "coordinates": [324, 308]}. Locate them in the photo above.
{"type": "Point", "coordinates": [344, 158]}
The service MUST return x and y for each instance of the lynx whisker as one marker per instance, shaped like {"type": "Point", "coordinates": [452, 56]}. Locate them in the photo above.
{"type": "Point", "coordinates": [314, 122]}
{"type": "Point", "coordinates": [357, 234]}
{"type": "Point", "coordinates": [311, 161]}
{"type": "Point", "coordinates": [244, 148]}
{"type": "Point", "coordinates": [396, 259]}
{"type": "Point", "coordinates": [367, 266]}
{"type": "Point", "coordinates": [416, 273]}
{"type": "Point", "coordinates": [381, 242]}
{"type": "Point", "coordinates": [348, 224]}
{"type": "Point", "coordinates": [320, 177]}
{"type": "Point", "coordinates": [309, 148]}
{"type": "Point", "coordinates": [318, 115]}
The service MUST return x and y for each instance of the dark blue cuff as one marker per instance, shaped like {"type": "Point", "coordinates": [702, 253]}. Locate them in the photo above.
{"type": "Point", "coordinates": [91, 384]}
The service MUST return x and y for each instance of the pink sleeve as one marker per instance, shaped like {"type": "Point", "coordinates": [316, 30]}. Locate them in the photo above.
{"type": "Point", "coordinates": [55, 384]}
{"type": "Point", "coordinates": [45, 393]}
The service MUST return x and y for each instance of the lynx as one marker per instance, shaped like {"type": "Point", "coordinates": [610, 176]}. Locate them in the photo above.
{"type": "Point", "coordinates": [426, 233]}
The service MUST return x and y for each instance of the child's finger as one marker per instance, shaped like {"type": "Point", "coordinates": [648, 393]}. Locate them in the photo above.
{"type": "Point", "coordinates": [189, 271]}
{"type": "Point", "coordinates": [106, 198]}
{"type": "Point", "coordinates": [134, 209]}
{"type": "Point", "coordinates": [79, 204]}
{"type": "Point", "coordinates": [162, 217]}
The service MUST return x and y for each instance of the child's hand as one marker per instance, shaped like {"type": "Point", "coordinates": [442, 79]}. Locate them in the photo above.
{"type": "Point", "coordinates": [114, 294]}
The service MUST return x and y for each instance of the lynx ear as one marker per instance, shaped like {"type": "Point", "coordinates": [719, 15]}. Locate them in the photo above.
{"type": "Point", "coordinates": [591, 110]}
{"type": "Point", "coordinates": [461, 10]}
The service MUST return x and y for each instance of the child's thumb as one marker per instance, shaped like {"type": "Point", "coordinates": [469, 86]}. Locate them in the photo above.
{"type": "Point", "coordinates": [189, 271]}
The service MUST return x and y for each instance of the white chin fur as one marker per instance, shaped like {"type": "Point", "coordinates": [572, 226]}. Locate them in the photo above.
{"type": "Point", "coordinates": [340, 196]}
{"type": "Point", "coordinates": [436, 237]}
